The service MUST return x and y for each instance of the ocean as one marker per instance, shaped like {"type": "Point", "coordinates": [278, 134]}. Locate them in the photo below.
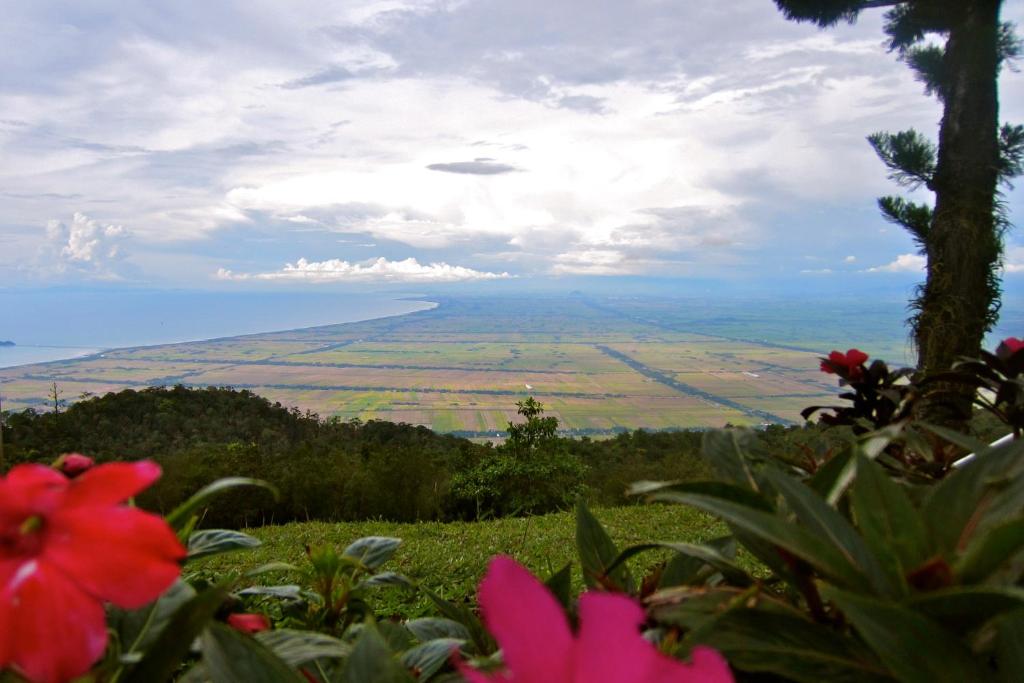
{"type": "Point", "coordinates": [55, 324]}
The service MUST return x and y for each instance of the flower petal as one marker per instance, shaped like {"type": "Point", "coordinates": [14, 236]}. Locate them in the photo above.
{"type": "Point", "coordinates": [528, 623]}
{"type": "Point", "coordinates": [611, 649]}
{"type": "Point", "coordinates": [57, 631]}
{"type": "Point", "coordinates": [30, 490]}
{"type": "Point", "coordinates": [112, 483]}
{"type": "Point", "coordinates": [122, 555]}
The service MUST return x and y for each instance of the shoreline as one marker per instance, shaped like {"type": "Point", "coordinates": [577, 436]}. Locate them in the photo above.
{"type": "Point", "coordinates": [99, 352]}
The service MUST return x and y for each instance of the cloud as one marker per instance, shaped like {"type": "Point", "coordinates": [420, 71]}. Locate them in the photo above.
{"type": "Point", "coordinates": [373, 270]}
{"type": "Point", "coordinates": [904, 263]}
{"type": "Point", "coordinates": [85, 246]}
{"type": "Point", "coordinates": [475, 167]}
{"type": "Point", "coordinates": [850, 259]}
{"type": "Point", "coordinates": [1013, 262]}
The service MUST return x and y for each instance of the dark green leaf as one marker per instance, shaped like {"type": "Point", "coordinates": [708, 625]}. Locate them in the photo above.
{"type": "Point", "coordinates": [597, 552]}
{"type": "Point", "coordinates": [372, 662]}
{"type": "Point", "coordinates": [172, 646]}
{"type": "Point", "coordinates": [987, 553]}
{"type": "Point", "coordinates": [727, 450]}
{"type": "Point", "coordinates": [914, 648]}
{"type": "Point", "coordinates": [233, 657]}
{"type": "Point", "coordinates": [1009, 653]}
{"type": "Point", "coordinates": [828, 525]}
{"type": "Point", "coordinates": [138, 629]}
{"type": "Point", "coordinates": [216, 541]}
{"type": "Point", "coordinates": [301, 647]}
{"type": "Point", "coordinates": [482, 640]}
{"type": "Point", "coordinates": [285, 592]}
{"type": "Point", "coordinates": [426, 659]}
{"type": "Point", "coordinates": [560, 585]}
{"type": "Point", "coordinates": [432, 628]}
{"type": "Point", "coordinates": [732, 572]}
{"type": "Point", "coordinates": [386, 579]}
{"type": "Point", "coordinates": [791, 647]}
{"type": "Point", "coordinates": [982, 494]}
{"type": "Point", "coordinates": [889, 522]}
{"type": "Point", "coordinates": [373, 551]}
{"type": "Point", "coordinates": [771, 528]}
{"type": "Point", "coordinates": [962, 609]}
{"type": "Point", "coordinates": [183, 513]}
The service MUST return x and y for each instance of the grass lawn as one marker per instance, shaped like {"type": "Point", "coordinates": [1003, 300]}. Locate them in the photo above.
{"type": "Point", "coordinates": [451, 557]}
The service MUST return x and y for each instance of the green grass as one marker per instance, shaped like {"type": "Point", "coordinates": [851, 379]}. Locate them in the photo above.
{"type": "Point", "coordinates": [450, 558]}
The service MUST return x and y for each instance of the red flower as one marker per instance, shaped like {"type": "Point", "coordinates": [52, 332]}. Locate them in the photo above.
{"type": "Point", "coordinates": [74, 464]}
{"type": "Point", "coordinates": [1013, 344]}
{"type": "Point", "coordinates": [66, 547]}
{"type": "Point", "coordinates": [248, 622]}
{"type": "Point", "coordinates": [847, 364]}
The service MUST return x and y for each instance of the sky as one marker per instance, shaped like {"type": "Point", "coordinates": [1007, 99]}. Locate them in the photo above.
{"type": "Point", "coordinates": [237, 144]}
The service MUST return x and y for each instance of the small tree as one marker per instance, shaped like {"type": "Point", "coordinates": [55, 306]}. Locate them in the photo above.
{"type": "Point", "coordinates": [526, 437]}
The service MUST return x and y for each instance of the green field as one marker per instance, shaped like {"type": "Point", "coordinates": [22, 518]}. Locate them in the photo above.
{"type": "Point", "coordinates": [598, 365]}
{"type": "Point", "coordinates": [450, 558]}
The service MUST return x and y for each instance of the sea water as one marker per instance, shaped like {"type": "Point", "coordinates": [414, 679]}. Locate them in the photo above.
{"type": "Point", "coordinates": [55, 324]}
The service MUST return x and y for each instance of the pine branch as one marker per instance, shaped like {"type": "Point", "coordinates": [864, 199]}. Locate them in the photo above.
{"type": "Point", "coordinates": [909, 156]}
{"type": "Point", "coordinates": [916, 218]}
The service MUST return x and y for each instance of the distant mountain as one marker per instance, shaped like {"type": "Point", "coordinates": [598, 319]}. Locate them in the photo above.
{"type": "Point", "coordinates": [6, 343]}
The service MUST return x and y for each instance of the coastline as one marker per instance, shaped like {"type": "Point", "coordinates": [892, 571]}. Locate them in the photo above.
{"type": "Point", "coordinates": [91, 352]}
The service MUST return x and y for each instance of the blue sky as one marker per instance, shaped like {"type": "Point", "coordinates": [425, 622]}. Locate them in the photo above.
{"type": "Point", "coordinates": [258, 144]}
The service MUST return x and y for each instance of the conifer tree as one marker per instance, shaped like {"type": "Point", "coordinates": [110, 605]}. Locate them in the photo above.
{"type": "Point", "coordinates": [961, 235]}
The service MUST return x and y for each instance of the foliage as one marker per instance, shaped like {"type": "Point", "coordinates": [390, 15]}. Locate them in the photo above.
{"type": "Point", "coordinates": [531, 473]}
{"type": "Point", "coordinates": [325, 469]}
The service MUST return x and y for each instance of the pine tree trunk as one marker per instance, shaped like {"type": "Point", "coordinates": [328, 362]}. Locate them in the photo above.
{"type": "Point", "coordinates": [964, 245]}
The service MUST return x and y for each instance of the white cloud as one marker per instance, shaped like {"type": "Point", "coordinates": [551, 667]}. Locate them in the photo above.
{"type": "Point", "coordinates": [1014, 260]}
{"type": "Point", "coordinates": [904, 263]}
{"type": "Point", "coordinates": [86, 245]}
{"type": "Point", "coordinates": [816, 271]}
{"type": "Point", "coordinates": [850, 259]}
{"type": "Point", "coordinates": [380, 269]}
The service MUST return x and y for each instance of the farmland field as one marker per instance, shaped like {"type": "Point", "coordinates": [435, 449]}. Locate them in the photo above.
{"type": "Point", "coordinates": [598, 365]}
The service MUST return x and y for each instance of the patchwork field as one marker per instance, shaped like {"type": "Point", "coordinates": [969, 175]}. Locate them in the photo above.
{"type": "Point", "coordinates": [597, 365]}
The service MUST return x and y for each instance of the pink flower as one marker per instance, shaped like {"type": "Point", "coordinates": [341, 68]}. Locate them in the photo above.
{"type": "Point", "coordinates": [248, 622]}
{"type": "Point", "coordinates": [66, 547]}
{"type": "Point", "coordinates": [74, 464]}
{"type": "Point", "coordinates": [847, 365]}
{"type": "Point", "coordinates": [539, 647]}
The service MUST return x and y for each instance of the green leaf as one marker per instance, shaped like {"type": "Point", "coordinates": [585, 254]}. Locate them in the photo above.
{"type": "Point", "coordinates": [301, 647]}
{"type": "Point", "coordinates": [834, 477]}
{"type": "Point", "coordinates": [597, 551]}
{"type": "Point", "coordinates": [372, 662]}
{"type": "Point", "coordinates": [432, 628]}
{"type": "Point", "coordinates": [1009, 653]}
{"type": "Point", "coordinates": [987, 553]}
{"type": "Point", "coordinates": [233, 657]}
{"type": "Point", "coordinates": [891, 526]}
{"type": "Point", "coordinates": [777, 531]}
{"type": "Point", "coordinates": [386, 579]}
{"type": "Point", "coordinates": [791, 647]}
{"type": "Point", "coordinates": [827, 524]}
{"type": "Point", "coordinates": [982, 494]}
{"type": "Point", "coordinates": [560, 585]}
{"type": "Point", "coordinates": [732, 572]}
{"type": "Point", "coordinates": [183, 513]}
{"type": "Point", "coordinates": [216, 541]}
{"type": "Point", "coordinates": [962, 609]}
{"type": "Point", "coordinates": [914, 648]}
{"type": "Point", "coordinates": [138, 629]}
{"type": "Point", "coordinates": [954, 437]}
{"type": "Point", "coordinates": [426, 659]}
{"type": "Point", "coordinates": [482, 640]}
{"type": "Point", "coordinates": [727, 450]}
{"type": "Point", "coordinates": [172, 646]}
{"type": "Point", "coordinates": [373, 551]}
{"type": "Point", "coordinates": [284, 592]}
